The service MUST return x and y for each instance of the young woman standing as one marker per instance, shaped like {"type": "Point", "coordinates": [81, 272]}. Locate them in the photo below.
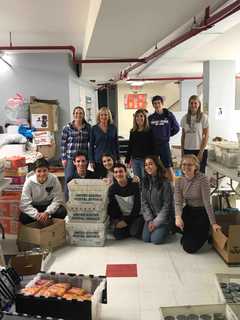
{"type": "Point", "coordinates": [140, 143]}
{"type": "Point", "coordinates": [75, 138]}
{"type": "Point", "coordinates": [195, 132]}
{"type": "Point", "coordinates": [104, 139]}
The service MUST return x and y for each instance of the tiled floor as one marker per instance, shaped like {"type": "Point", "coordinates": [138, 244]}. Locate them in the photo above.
{"type": "Point", "coordinates": [166, 276]}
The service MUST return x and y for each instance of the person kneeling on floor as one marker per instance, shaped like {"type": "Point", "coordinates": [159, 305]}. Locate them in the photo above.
{"type": "Point", "coordinates": [157, 202]}
{"type": "Point", "coordinates": [42, 197]}
{"type": "Point", "coordinates": [194, 213]}
{"type": "Point", "coordinates": [124, 205]}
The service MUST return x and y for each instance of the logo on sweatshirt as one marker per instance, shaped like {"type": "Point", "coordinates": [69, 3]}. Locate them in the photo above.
{"type": "Point", "coordinates": [49, 189]}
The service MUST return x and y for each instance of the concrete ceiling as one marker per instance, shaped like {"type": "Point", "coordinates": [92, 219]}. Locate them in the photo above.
{"type": "Point", "coordinates": [114, 29]}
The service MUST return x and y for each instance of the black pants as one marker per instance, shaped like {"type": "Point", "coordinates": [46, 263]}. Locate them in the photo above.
{"type": "Point", "coordinates": [196, 228]}
{"type": "Point", "coordinates": [203, 163]}
{"type": "Point", "coordinates": [60, 213]}
{"type": "Point", "coordinates": [133, 229]}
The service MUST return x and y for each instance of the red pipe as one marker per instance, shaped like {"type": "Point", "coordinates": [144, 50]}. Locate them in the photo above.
{"type": "Point", "coordinates": [73, 51]}
{"type": "Point", "coordinates": [206, 23]}
{"type": "Point", "coordinates": [166, 78]}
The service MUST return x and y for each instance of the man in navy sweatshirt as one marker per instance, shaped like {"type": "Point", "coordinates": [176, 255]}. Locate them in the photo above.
{"type": "Point", "coordinates": [164, 125]}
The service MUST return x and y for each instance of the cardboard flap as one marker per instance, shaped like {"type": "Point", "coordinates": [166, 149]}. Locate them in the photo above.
{"type": "Point", "coordinates": [220, 238]}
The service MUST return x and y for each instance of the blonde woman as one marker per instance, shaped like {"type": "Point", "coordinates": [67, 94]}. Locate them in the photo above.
{"type": "Point", "coordinates": [195, 132]}
{"type": "Point", "coordinates": [104, 139]}
{"type": "Point", "coordinates": [194, 213]}
{"type": "Point", "coordinates": [140, 143]}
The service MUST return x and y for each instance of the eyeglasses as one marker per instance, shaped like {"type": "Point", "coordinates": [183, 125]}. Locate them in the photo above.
{"type": "Point", "coordinates": [187, 164]}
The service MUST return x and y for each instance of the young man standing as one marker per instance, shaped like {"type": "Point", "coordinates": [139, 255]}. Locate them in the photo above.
{"type": "Point", "coordinates": [124, 205]}
{"type": "Point", "coordinates": [164, 125]}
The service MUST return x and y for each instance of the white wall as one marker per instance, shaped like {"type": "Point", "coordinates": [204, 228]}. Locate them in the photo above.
{"type": "Point", "coordinates": [46, 76]}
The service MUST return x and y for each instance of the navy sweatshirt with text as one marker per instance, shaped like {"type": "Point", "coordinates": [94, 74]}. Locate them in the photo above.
{"type": "Point", "coordinates": [164, 125]}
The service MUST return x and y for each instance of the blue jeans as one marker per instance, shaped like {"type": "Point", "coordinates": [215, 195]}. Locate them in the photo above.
{"type": "Point", "coordinates": [158, 236]}
{"type": "Point", "coordinates": [68, 172]}
{"type": "Point", "coordinates": [138, 167]}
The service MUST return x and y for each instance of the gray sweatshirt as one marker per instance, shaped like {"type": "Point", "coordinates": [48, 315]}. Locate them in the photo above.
{"type": "Point", "coordinates": [156, 205]}
{"type": "Point", "coordinates": [35, 193]}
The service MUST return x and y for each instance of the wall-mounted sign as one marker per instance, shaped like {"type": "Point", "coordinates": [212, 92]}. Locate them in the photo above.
{"type": "Point", "coordinates": [135, 101]}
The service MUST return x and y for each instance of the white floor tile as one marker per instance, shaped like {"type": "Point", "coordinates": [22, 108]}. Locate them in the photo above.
{"type": "Point", "coordinates": [167, 276]}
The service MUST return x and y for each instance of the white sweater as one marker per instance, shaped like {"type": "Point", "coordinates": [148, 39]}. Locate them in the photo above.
{"type": "Point", "coordinates": [35, 193]}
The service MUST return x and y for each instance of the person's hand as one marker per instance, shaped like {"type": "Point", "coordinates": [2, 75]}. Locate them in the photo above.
{"type": "Point", "coordinates": [42, 217]}
{"type": "Point", "coordinates": [151, 226]}
{"type": "Point", "coordinates": [64, 163]}
{"type": "Point", "coordinates": [216, 227]}
{"type": "Point", "coordinates": [121, 224]}
{"type": "Point", "coordinates": [136, 179]}
{"type": "Point", "coordinates": [179, 222]}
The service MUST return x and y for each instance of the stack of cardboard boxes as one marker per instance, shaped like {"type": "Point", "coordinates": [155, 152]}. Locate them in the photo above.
{"type": "Point", "coordinates": [87, 212]}
{"type": "Point", "coordinates": [44, 117]}
{"type": "Point", "coordinates": [15, 171]}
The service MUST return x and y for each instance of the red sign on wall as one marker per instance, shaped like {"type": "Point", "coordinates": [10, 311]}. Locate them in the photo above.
{"type": "Point", "coordinates": [135, 101]}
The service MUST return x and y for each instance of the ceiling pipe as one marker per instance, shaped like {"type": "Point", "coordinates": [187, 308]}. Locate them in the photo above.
{"type": "Point", "coordinates": [73, 52]}
{"type": "Point", "coordinates": [165, 78]}
{"type": "Point", "coordinates": [206, 23]}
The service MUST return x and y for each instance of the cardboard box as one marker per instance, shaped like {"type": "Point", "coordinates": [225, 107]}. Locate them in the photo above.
{"type": "Point", "coordinates": [34, 235]}
{"type": "Point", "coordinates": [10, 226]}
{"type": "Point", "coordinates": [30, 262]}
{"type": "Point", "coordinates": [44, 116]}
{"type": "Point", "coordinates": [227, 241]}
{"type": "Point", "coordinates": [198, 310]}
{"type": "Point", "coordinates": [42, 138]}
{"type": "Point", "coordinates": [226, 279]}
{"type": "Point", "coordinates": [19, 172]}
{"type": "Point", "coordinates": [9, 205]}
{"type": "Point", "coordinates": [49, 151]}
{"type": "Point", "coordinates": [87, 234]}
{"type": "Point", "coordinates": [62, 308]}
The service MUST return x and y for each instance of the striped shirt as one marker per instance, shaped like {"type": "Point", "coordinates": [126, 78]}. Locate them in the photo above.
{"type": "Point", "coordinates": [74, 140]}
{"type": "Point", "coordinates": [194, 192]}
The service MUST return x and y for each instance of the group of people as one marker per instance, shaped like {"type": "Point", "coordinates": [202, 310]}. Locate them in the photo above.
{"type": "Point", "coordinates": [152, 204]}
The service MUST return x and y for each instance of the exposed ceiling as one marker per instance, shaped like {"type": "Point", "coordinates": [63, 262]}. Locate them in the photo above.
{"type": "Point", "coordinates": [120, 29]}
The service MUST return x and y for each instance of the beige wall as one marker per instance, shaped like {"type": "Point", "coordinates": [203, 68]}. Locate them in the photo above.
{"type": "Point", "coordinates": [125, 117]}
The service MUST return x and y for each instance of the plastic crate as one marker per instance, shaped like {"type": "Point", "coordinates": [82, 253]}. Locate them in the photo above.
{"type": "Point", "coordinates": [198, 310]}
{"type": "Point", "coordinates": [227, 278]}
{"type": "Point", "coordinates": [86, 212]}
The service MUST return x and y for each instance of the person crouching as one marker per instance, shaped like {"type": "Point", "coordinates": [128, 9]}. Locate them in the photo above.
{"type": "Point", "coordinates": [42, 197]}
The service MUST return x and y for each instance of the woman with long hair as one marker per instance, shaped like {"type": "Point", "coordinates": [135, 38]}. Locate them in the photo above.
{"type": "Point", "coordinates": [156, 202]}
{"type": "Point", "coordinates": [104, 139]}
{"type": "Point", "coordinates": [194, 213]}
{"type": "Point", "coordinates": [140, 143]}
{"type": "Point", "coordinates": [75, 138]}
{"type": "Point", "coordinates": [195, 131]}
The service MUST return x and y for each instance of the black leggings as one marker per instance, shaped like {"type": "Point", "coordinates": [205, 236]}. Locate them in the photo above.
{"type": "Point", "coordinates": [196, 228]}
{"type": "Point", "coordinates": [60, 213]}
